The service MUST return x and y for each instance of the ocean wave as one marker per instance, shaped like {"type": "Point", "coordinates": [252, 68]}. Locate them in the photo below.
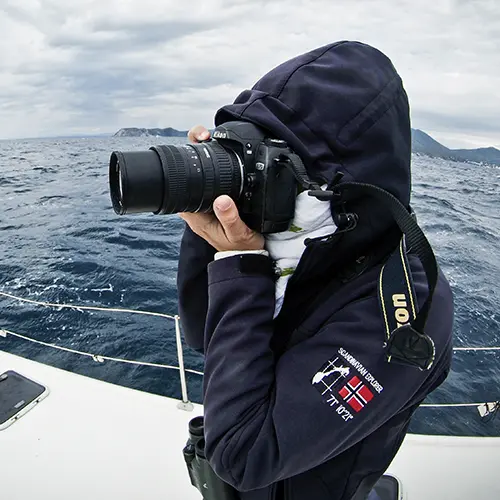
{"type": "Point", "coordinates": [63, 243]}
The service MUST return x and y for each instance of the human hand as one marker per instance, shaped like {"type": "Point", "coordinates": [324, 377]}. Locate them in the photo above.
{"type": "Point", "coordinates": [198, 134]}
{"type": "Point", "coordinates": [225, 230]}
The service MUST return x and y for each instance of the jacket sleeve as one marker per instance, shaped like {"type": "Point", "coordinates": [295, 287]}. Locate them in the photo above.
{"type": "Point", "coordinates": [192, 286]}
{"type": "Point", "coordinates": [266, 420]}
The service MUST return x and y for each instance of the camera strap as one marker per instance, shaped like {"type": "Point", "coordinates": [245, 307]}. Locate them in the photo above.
{"type": "Point", "coordinates": [294, 163]}
{"type": "Point", "coordinates": [407, 343]}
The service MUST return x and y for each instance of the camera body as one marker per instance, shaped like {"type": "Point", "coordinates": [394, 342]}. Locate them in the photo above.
{"type": "Point", "coordinates": [269, 188]}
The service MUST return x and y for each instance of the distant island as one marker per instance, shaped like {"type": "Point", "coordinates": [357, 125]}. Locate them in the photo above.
{"type": "Point", "coordinates": [150, 132]}
{"type": "Point", "coordinates": [422, 143]}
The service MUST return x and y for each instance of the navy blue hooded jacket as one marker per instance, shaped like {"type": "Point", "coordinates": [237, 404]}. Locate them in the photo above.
{"type": "Point", "coordinates": [325, 418]}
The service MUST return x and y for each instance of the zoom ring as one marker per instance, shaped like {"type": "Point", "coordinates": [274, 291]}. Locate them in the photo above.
{"type": "Point", "coordinates": [229, 172]}
{"type": "Point", "coordinates": [208, 167]}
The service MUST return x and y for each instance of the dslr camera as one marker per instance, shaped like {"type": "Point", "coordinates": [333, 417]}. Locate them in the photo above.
{"type": "Point", "coordinates": [261, 174]}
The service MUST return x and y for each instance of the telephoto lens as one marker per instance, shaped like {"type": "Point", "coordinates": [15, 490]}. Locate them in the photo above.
{"type": "Point", "coordinates": [171, 179]}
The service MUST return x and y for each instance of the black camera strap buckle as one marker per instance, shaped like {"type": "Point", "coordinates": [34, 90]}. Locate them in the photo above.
{"type": "Point", "coordinates": [294, 163]}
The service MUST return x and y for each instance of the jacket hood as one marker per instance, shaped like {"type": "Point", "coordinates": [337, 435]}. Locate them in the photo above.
{"type": "Point", "coordinates": [342, 108]}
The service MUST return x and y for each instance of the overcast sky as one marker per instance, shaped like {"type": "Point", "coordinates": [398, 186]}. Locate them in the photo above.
{"type": "Point", "coordinates": [94, 66]}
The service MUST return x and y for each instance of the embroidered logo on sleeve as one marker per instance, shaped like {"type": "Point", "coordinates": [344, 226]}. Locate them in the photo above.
{"type": "Point", "coordinates": [346, 385]}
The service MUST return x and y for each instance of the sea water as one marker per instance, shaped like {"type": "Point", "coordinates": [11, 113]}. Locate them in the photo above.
{"type": "Point", "coordinates": [61, 242]}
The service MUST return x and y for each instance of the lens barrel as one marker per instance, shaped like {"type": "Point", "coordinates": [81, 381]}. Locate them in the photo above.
{"type": "Point", "coordinates": [171, 179]}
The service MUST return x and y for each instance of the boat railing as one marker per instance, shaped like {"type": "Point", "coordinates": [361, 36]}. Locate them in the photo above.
{"type": "Point", "coordinates": [485, 409]}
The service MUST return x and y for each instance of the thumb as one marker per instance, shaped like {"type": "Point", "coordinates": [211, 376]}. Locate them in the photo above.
{"type": "Point", "coordinates": [226, 211]}
{"type": "Point", "coordinates": [238, 235]}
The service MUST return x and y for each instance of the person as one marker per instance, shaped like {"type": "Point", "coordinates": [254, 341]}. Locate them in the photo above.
{"type": "Point", "coordinates": [323, 418]}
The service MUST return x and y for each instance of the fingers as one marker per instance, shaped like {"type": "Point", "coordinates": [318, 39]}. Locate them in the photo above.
{"type": "Point", "coordinates": [198, 133]}
{"type": "Point", "coordinates": [198, 222]}
{"type": "Point", "coordinates": [207, 227]}
{"type": "Point", "coordinates": [195, 219]}
{"type": "Point", "coordinates": [225, 230]}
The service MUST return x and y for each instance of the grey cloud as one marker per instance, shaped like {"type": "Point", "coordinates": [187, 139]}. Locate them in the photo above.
{"type": "Point", "coordinates": [458, 121]}
{"type": "Point", "coordinates": [110, 64]}
{"type": "Point", "coordinates": [133, 36]}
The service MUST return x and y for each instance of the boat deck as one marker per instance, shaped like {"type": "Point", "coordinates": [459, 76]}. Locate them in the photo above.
{"type": "Point", "coordinates": [94, 440]}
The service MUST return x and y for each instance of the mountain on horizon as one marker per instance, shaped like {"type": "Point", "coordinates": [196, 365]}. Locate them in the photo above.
{"type": "Point", "coordinates": [424, 144]}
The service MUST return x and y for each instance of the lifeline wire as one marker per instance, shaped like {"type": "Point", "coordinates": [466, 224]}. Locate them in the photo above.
{"type": "Point", "coordinates": [100, 358]}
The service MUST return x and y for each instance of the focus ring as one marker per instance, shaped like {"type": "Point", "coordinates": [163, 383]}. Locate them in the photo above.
{"type": "Point", "coordinates": [175, 181]}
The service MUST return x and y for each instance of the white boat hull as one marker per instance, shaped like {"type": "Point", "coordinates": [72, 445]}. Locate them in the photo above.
{"type": "Point", "coordinates": [94, 440]}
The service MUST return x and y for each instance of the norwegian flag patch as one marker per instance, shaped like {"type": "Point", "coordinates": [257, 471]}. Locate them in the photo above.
{"type": "Point", "coordinates": [356, 394]}
{"type": "Point", "coordinates": [346, 385]}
